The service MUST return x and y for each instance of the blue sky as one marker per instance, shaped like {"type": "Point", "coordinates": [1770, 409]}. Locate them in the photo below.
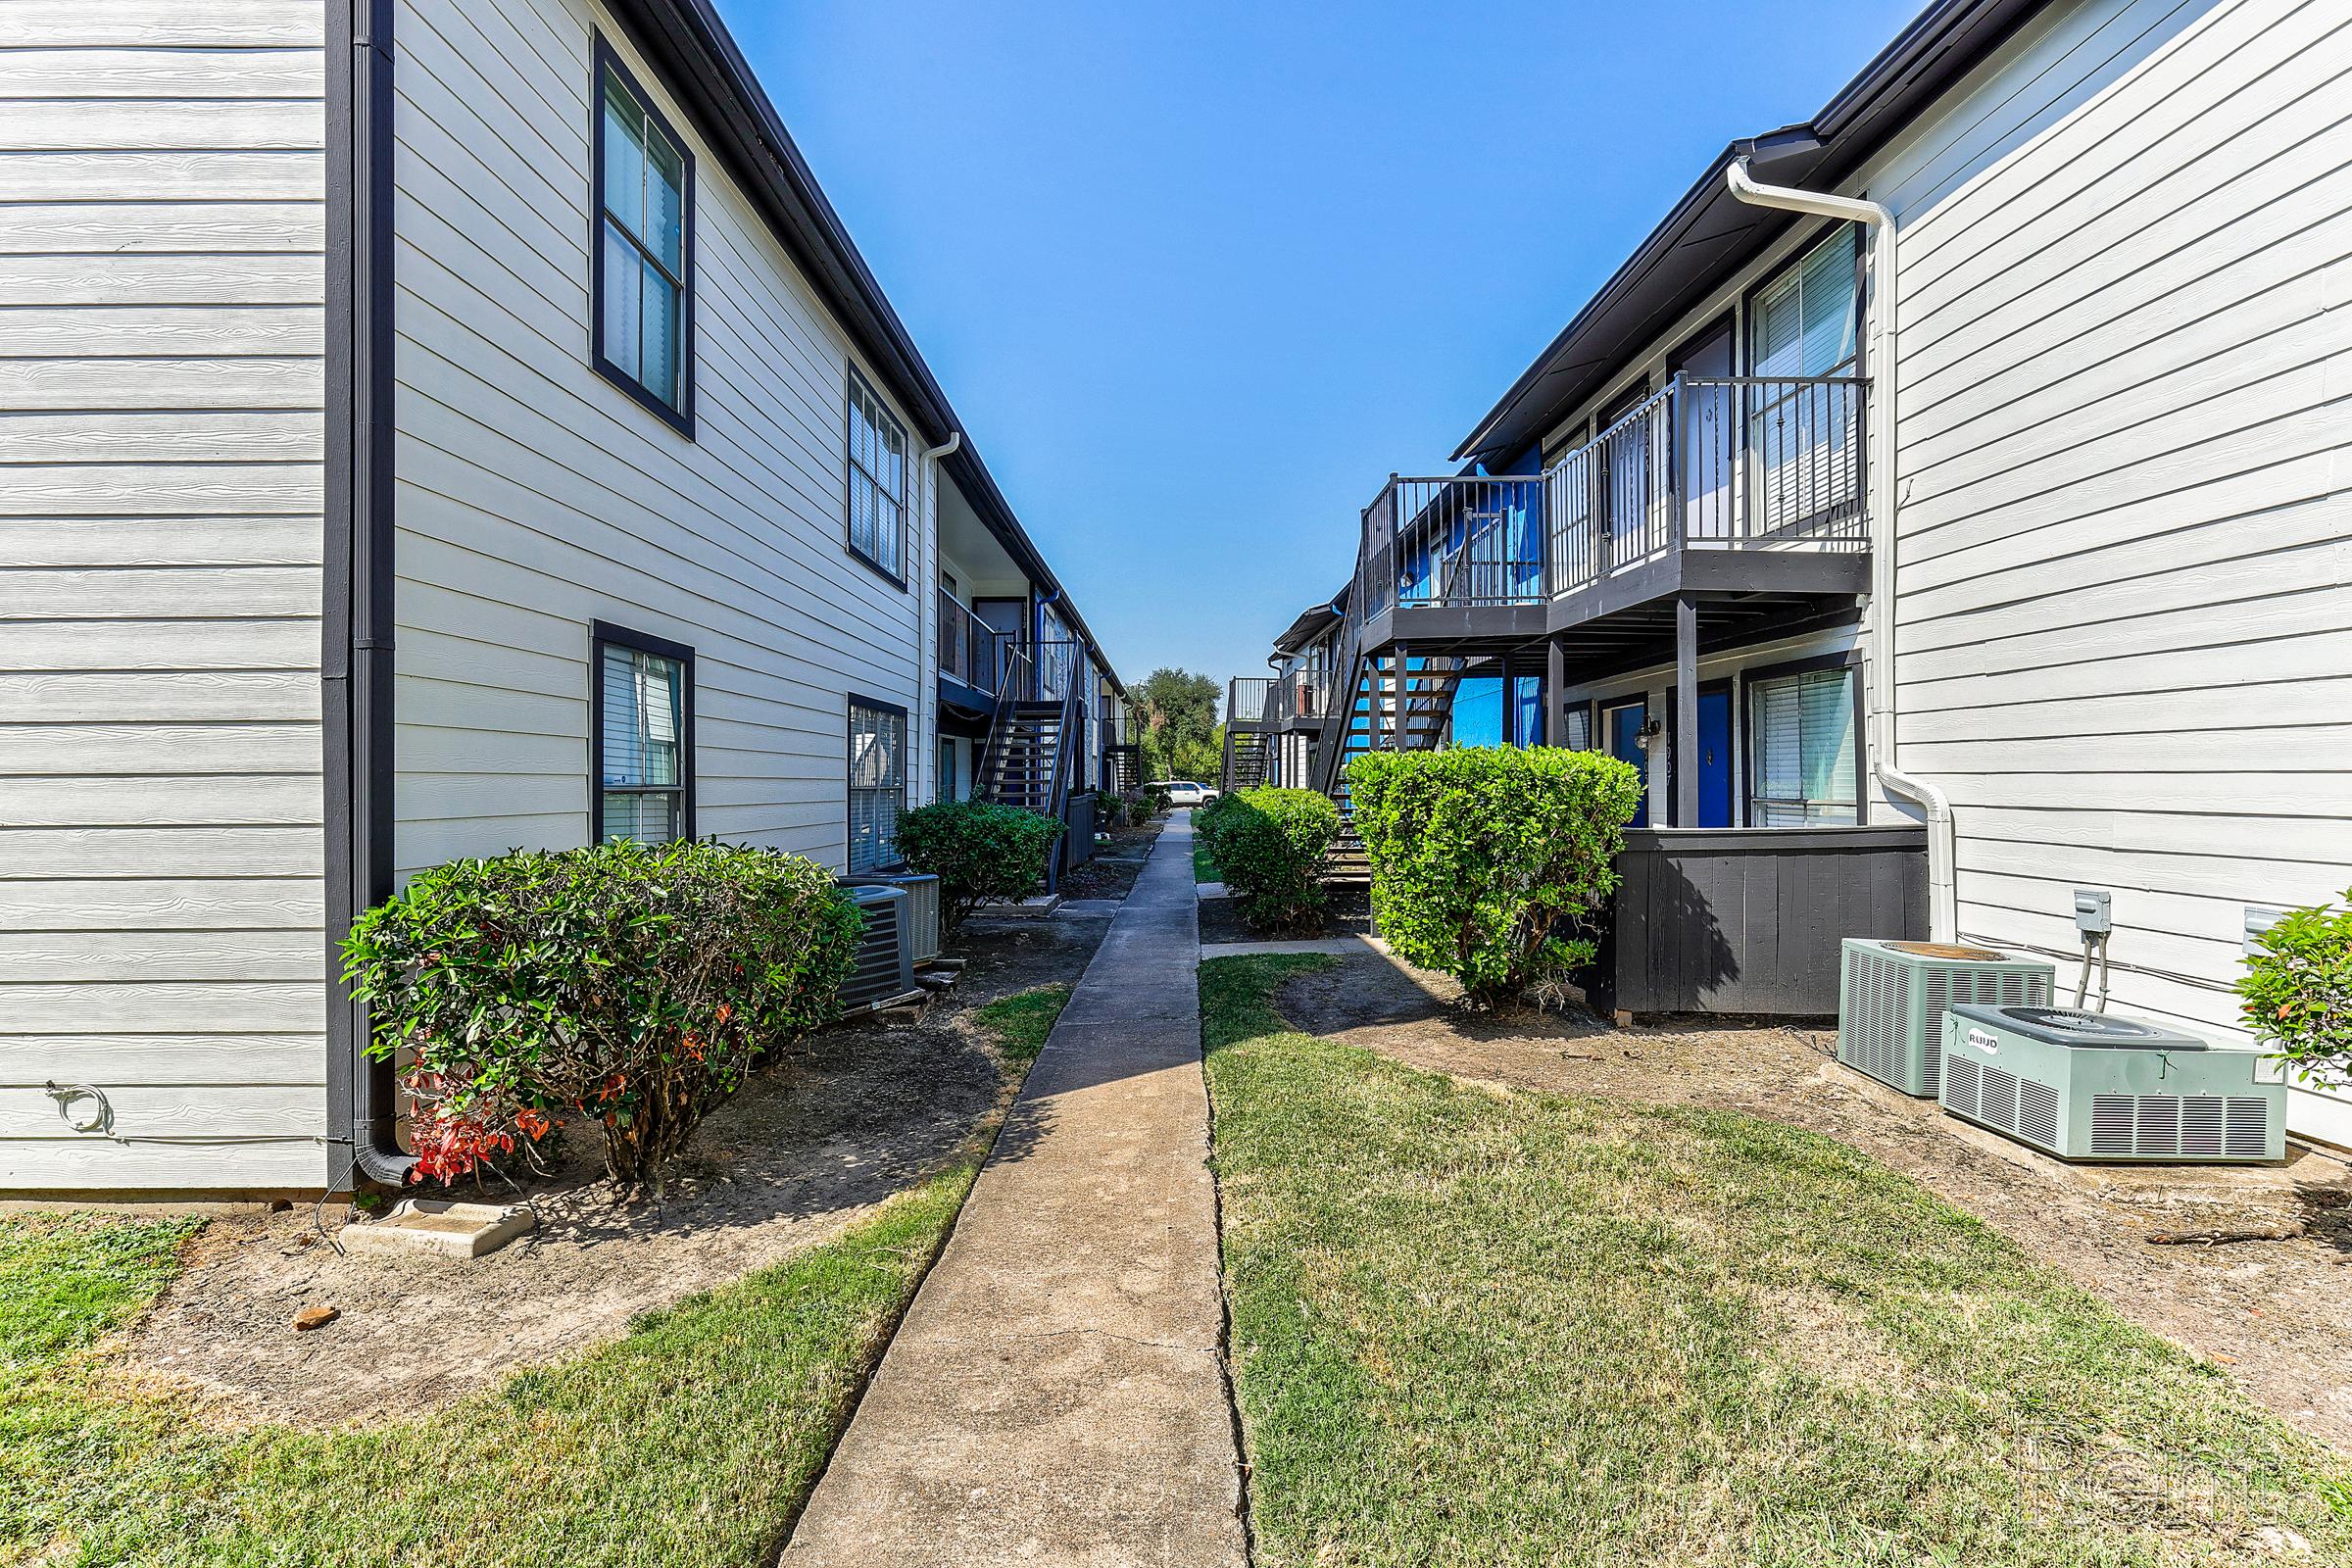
{"type": "Point", "coordinates": [1199, 276]}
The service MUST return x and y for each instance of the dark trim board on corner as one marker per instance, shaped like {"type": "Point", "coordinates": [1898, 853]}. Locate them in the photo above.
{"type": "Point", "coordinates": [355, 669]}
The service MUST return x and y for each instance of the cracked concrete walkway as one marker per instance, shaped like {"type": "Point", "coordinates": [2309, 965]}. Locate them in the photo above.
{"type": "Point", "coordinates": [1057, 1395]}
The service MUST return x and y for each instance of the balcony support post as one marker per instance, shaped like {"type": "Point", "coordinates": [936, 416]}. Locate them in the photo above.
{"type": "Point", "coordinates": [1686, 711]}
{"type": "Point", "coordinates": [1556, 686]}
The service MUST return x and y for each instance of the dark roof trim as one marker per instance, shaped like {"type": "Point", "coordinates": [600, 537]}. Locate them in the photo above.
{"type": "Point", "coordinates": [1710, 234]}
{"type": "Point", "coordinates": [1314, 621]}
{"type": "Point", "coordinates": [702, 65]}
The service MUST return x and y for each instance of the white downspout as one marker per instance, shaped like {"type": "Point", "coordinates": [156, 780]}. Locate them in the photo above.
{"type": "Point", "coordinates": [932, 456]}
{"type": "Point", "coordinates": [1943, 902]}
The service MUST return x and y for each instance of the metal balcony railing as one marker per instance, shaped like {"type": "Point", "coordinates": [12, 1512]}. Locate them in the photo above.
{"type": "Point", "coordinates": [1118, 721]}
{"type": "Point", "coordinates": [1246, 698]}
{"type": "Point", "coordinates": [969, 650]}
{"type": "Point", "coordinates": [1046, 670]}
{"type": "Point", "coordinates": [1298, 689]}
{"type": "Point", "coordinates": [1715, 462]}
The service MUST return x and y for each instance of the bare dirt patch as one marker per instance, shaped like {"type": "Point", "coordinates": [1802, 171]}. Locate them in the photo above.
{"type": "Point", "coordinates": [2276, 1313]}
{"type": "Point", "coordinates": [1350, 914]}
{"type": "Point", "coordinates": [847, 1117]}
{"type": "Point", "coordinates": [1112, 873]}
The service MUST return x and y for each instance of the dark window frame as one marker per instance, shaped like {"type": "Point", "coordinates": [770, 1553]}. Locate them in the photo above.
{"type": "Point", "coordinates": [604, 634]}
{"type": "Point", "coordinates": [1848, 659]}
{"type": "Point", "coordinates": [850, 471]}
{"type": "Point", "coordinates": [1592, 724]}
{"type": "Point", "coordinates": [851, 702]}
{"type": "Point", "coordinates": [681, 418]}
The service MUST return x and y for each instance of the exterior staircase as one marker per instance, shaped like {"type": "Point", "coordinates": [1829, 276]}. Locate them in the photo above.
{"type": "Point", "coordinates": [1402, 703]}
{"type": "Point", "coordinates": [1023, 764]}
{"type": "Point", "coordinates": [1248, 755]}
{"type": "Point", "coordinates": [1346, 864]}
{"type": "Point", "coordinates": [1028, 761]}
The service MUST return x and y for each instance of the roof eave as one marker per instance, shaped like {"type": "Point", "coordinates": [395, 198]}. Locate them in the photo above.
{"type": "Point", "coordinates": [703, 64]}
{"type": "Point", "coordinates": [1945, 40]}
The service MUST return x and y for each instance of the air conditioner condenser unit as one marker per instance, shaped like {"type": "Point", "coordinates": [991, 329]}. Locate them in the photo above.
{"type": "Point", "coordinates": [2100, 1086]}
{"type": "Point", "coordinates": [1891, 998]}
{"type": "Point", "coordinates": [922, 908]}
{"type": "Point", "coordinates": [883, 972]}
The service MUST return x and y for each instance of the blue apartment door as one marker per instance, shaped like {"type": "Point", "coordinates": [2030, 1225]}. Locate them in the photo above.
{"type": "Point", "coordinates": [1623, 726]}
{"type": "Point", "coordinates": [1715, 759]}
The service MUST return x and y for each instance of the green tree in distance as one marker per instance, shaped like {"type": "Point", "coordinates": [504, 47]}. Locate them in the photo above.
{"type": "Point", "coordinates": [1181, 738]}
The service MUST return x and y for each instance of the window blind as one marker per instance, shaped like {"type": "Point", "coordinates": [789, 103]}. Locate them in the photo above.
{"type": "Point", "coordinates": [877, 785]}
{"type": "Point", "coordinates": [644, 248]}
{"type": "Point", "coordinates": [877, 479]}
{"type": "Point", "coordinates": [1803, 760]}
{"type": "Point", "coordinates": [642, 737]}
{"type": "Point", "coordinates": [1804, 439]}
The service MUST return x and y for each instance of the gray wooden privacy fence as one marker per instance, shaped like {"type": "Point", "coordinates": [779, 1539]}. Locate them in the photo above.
{"type": "Point", "coordinates": [1747, 921]}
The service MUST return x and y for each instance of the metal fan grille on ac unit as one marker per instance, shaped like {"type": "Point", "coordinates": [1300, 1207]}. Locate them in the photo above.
{"type": "Point", "coordinates": [1894, 994]}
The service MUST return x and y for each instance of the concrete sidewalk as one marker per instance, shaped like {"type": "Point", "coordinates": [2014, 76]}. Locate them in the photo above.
{"type": "Point", "coordinates": [1057, 1395]}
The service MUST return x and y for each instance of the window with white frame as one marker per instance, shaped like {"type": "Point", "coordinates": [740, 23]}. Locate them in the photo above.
{"type": "Point", "coordinates": [641, 269]}
{"type": "Point", "coordinates": [877, 482]}
{"type": "Point", "coordinates": [1803, 749]}
{"type": "Point", "coordinates": [644, 734]}
{"type": "Point", "coordinates": [877, 782]}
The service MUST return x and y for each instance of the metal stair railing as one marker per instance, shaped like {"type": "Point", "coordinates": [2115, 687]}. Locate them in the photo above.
{"type": "Point", "coordinates": [1014, 660]}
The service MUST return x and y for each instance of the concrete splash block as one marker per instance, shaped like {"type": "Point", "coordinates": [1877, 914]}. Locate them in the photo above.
{"type": "Point", "coordinates": [439, 1227]}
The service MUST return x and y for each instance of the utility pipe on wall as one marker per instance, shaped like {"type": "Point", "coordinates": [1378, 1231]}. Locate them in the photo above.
{"type": "Point", "coordinates": [1943, 902]}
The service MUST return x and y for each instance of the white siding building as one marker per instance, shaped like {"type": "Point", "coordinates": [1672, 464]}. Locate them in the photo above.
{"type": "Point", "coordinates": [483, 438]}
{"type": "Point", "coordinates": [2122, 538]}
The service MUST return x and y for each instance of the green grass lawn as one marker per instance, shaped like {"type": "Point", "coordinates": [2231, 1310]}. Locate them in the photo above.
{"type": "Point", "coordinates": [1480, 1327]}
{"type": "Point", "coordinates": [1020, 1022]}
{"type": "Point", "coordinates": [692, 1441]}
{"type": "Point", "coordinates": [1205, 869]}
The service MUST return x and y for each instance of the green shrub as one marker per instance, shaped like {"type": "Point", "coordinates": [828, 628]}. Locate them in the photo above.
{"type": "Point", "coordinates": [1485, 862]}
{"type": "Point", "coordinates": [1115, 811]}
{"type": "Point", "coordinates": [1270, 845]}
{"type": "Point", "coordinates": [635, 984]}
{"type": "Point", "coordinates": [2298, 990]}
{"type": "Point", "coordinates": [978, 850]}
{"type": "Point", "coordinates": [1204, 818]}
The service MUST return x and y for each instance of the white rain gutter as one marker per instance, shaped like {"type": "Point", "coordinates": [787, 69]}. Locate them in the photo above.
{"type": "Point", "coordinates": [1943, 903]}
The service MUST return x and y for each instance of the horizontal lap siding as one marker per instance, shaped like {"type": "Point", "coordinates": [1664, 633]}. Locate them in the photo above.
{"type": "Point", "coordinates": [162, 312]}
{"type": "Point", "coordinates": [2127, 539]}
{"type": "Point", "coordinates": [535, 497]}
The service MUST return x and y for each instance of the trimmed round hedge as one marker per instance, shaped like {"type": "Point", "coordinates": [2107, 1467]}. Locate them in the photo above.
{"type": "Point", "coordinates": [1488, 863]}
{"type": "Point", "coordinates": [978, 850]}
{"type": "Point", "coordinates": [1270, 845]}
